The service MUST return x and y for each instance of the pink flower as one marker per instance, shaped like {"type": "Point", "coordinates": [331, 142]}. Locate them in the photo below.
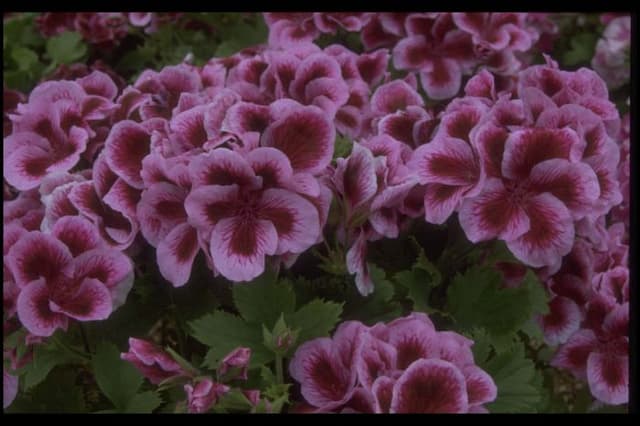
{"type": "Point", "coordinates": [152, 361]}
{"type": "Point", "coordinates": [204, 395]}
{"type": "Point", "coordinates": [86, 287]}
{"type": "Point", "coordinates": [236, 360]}
{"type": "Point", "coordinates": [237, 206]}
{"type": "Point", "coordinates": [405, 366]}
{"type": "Point", "coordinates": [611, 58]}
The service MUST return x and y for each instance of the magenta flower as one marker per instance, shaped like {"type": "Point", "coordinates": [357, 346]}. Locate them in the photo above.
{"type": "Point", "coordinates": [204, 395]}
{"type": "Point", "coordinates": [152, 361]}
{"type": "Point", "coordinates": [9, 388]}
{"type": "Point", "coordinates": [236, 360]}
{"type": "Point", "coordinates": [238, 207]}
{"type": "Point", "coordinates": [86, 287]}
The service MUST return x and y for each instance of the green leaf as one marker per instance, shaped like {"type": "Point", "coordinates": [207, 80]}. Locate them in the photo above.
{"type": "Point", "coordinates": [45, 358]}
{"type": "Point", "coordinates": [476, 299]}
{"type": "Point", "coordinates": [315, 319]}
{"type": "Point", "coordinates": [582, 49]}
{"type": "Point", "coordinates": [223, 332]}
{"type": "Point", "coordinates": [343, 146]}
{"type": "Point", "coordinates": [242, 35]}
{"type": "Point", "coordinates": [481, 344]}
{"type": "Point", "coordinates": [234, 400]}
{"type": "Point", "coordinates": [57, 394]}
{"type": "Point", "coordinates": [264, 299]}
{"type": "Point", "coordinates": [144, 402]}
{"type": "Point", "coordinates": [379, 305]}
{"type": "Point", "coordinates": [25, 58]}
{"type": "Point", "coordinates": [117, 379]}
{"type": "Point", "coordinates": [66, 47]}
{"type": "Point", "coordinates": [515, 378]}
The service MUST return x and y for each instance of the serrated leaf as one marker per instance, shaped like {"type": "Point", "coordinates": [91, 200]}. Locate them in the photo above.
{"type": "Point", "coordinates": [481, 344]}
{"type": "Point", "coordinates": [117, 379]}
{"type": "Point", "coordinates": [378, 306]}
{"type": "Point", "coordinates": [58, 394]}
{"type": "Point", "coordinates": [315, 319]}
{"type": "Point", "coordinates": [234, 400]}
{"type": "Point", "coordinates": [144, 402]}
{"type": "Point", "coordinates": [264, 299]}
{"type": "Point", "coordinates": [66, 47]}
{"type": "Point", "coordinates": [515, 378]}
{"type": "Point", "coordinates": [477, 299]}
{"type": "Point", "coordinates": [223, 332]}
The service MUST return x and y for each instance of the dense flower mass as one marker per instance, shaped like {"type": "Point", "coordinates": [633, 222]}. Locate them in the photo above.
{"type": "Point", "coordinates": [405, 366]}
{"type": "Point", "coordinates": [288, 152]}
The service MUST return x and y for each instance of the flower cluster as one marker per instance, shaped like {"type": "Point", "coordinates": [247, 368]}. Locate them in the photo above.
{"type": "Point", "coordinates": [611, 59]}
{"type": "Point", "coordinates": [439, 47]}
{"type": "Point", "coordinates": [589, 315]}
{"type": "Point", "coordinates": [405, 366]}
{"type": "Point", "coordinates": [100, 28]}
{"type": "Point", "coordinates": [527, 167]}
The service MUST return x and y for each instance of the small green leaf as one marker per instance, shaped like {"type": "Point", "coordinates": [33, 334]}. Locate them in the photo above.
{"type": "Point", "coordinates": [66, 47]}
{"type": "Point", "coordinates": [264, 299]}
{"type": "Point", "coordinates": [25, 58]}
{"type": "Point", "coordinates": [515, 378]}
{"type": "Point", "coordinates": [377, 306]}
{"type": "Point", "coordinates": [342, 147]}
{"type": "Point", "coordinates": [233, 400]}
{"type": "Point", "coordinates": [144, 402]}
{"type": "Point", "coordinates": [117, 379]}
{"type": "Point", "coordinates": [315, 319]}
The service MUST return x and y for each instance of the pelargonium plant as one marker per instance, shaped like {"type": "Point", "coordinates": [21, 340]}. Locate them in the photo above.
{"type": "Point", "coordinates": [337, 212]}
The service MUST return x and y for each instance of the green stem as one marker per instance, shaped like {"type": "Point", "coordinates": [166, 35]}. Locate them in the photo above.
{"type": "Point", "coordinates": [85, 340]}
{"type": "Point", "coordinates": [279, 373]}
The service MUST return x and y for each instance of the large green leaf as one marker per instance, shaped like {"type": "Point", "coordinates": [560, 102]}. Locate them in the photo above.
{"type": "Point", "coordinates": [117, 379]}
{"type": "Point", "coordinates": [315, 319]}
{"type": "Point", "coordinates": [66, 47]}
{"type": "Point", "coordinates": [264, 299]}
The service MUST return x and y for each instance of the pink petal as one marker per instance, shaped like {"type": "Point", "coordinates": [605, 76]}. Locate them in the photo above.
{"type": "Point", "coordinates": [411, 337]}
{"type": "Point", "coordinates": [357, 264]}
{"type": "Point", "coordinates": [448, 161]}
{"type": "Point", "coordinates": [161, 209]}
{"type": "Point", "coordinates": [109, 266]}
{"type": "Point", "coordinates": [573, 355]}
{"type": "Point", "coordinates": [221, 167]}
{"type": "Point", "coordinates": [561, 322]}
{"type": "Point", "coordinates": [207, 205]}
{"type": "Point", "coordinates": [9, 388]}
{"type": "Point", "coordinates": [375, 358]}
{"type": "Point", "coordinates": [27, 164]}
{"type": "Point", "coordinates": [355, 177]}
{"type": "Point", "coordinates": [412, 53]}
{"type": "Point", "coordinates": [37, 255]}
{"type": "Point", "coordinates": [481, 85]}
{"type": "Point", "coordinates": [492, 214]}
{"type": "Point", "coordinates": [188, 128]}
{"type": "Point", "coordinates": [526, 148]}
{"type": "Point", "coordinates": [245, 117]}
{"type": "Point", "coordinates": [34, 312]}
{"type": "Point", "coordinates": [306, 136]}
{"type": "Point", "coordinates": [122, 198]}
{"type": "Point", "coordinates": [325, 382]}
{"type": "Point", "coordinates": [382, 390]}
{"type": "Point", "coordinates": [238, 247]}
{"type": "Point", "coordinates": [575, 184]}
{"type": "Point", "coordinates": [125, 147]}
{"type": "Point", "coordinates": [176, 253]}
{"type": "Point", "coordinates": [271, 165]}
{"type": "Point", "coordinates": [550, 235]}
{"type": "Point", "coordinates": [444, 79]}
{"type": "Point", "coordinates": [489, 141]}
{"type": "Point", "coordinates": [77, 233]}
{"type": "Point", "coordinates": [440, 201]}
{"type": "Point", "coordinates": [91, 302]}
{"type": "Point", "coordinates": [314, 66]}
{"type": "Point", "coordinates": [480, 386]}
{"type": "Point", "coordinates": [430, 386]}
{"type": "Point", "coordinates": [394, 96]}
{"type": "Point", "coordinates": [295, 219]}
{"type": "Point", "coordinates": [608, 377]}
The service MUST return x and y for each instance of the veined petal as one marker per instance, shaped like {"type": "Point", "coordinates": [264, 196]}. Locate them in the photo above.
{"type": "Point", "coordinates": [176, 253]}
